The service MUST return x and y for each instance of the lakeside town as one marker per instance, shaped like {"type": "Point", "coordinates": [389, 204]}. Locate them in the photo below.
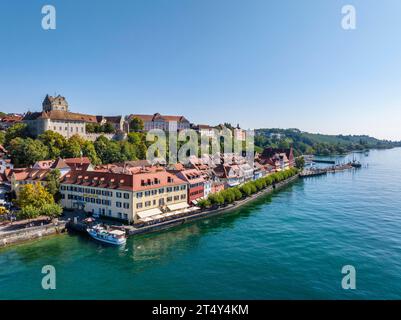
{"type": "Point", "coordinates": [55, 162]}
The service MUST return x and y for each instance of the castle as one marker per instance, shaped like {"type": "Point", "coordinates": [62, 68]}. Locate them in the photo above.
{"type": "Point", "coordinates": [56, 116]}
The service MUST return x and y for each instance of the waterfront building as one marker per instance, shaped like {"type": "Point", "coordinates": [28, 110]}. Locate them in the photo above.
{"type": "Point", "coordinates": [282, 159]}
{"type": "Point", "coordinates": [38, 173]}
{"type": "Point", "coordinates": [196, 184]}
{"type": "Point", "coordinates": [129, 197]}
{"type": "Point", "coordinates": [259, 171]}
{"type": "Point", "coordinates": [247, 171]}
{"type": "Point", "coordinates": [163, 122]}
{"type": "Point", "coordinates": [21, 177]}
{"type": "Point", "coordinates": [217, 187]}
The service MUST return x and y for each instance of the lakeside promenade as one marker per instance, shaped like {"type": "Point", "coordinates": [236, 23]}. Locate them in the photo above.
{"type": "Point", "coordinates": [37, 232]}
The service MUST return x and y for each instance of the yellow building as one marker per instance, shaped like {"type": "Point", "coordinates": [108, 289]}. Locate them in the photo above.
{"type": "Point", "coordinates": [130, 197]}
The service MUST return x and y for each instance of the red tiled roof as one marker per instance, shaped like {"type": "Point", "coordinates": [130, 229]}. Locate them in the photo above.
{"type": "Point", "coordinates": [157, 116]}
{"type": "Point", "coordinates": [119, 181]}
{"type": "Point", "coordinates": [60, 115]}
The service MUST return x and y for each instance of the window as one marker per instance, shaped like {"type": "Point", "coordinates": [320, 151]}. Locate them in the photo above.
{"type": "Point", "coordinates": [176, 198]}
{"type": "Point", "coordinates": [126, 195]}
{"type": "Point", "coordinates": [147, 193]}
{"type": "Point", "coordinates": [118, 194]}
{"type": "Point", "coordinates": [126, 205]}
{"type": "Point", "coordinates": [139, 195]}
{"type": "Point", "coordinates": [169, 199]}
{"type": "Point", "coordinates": [169, 189]}
{"type": "Point", "coordinates": [161, 190]}
{"type": "Point", "coordinates": [147, 203]}
{"type": "Point", "coordinates": [183, 196]}
{"type": "Point", "coordinates": [139, 205]}
{"type": "Point", "coordinates": [118, 204]}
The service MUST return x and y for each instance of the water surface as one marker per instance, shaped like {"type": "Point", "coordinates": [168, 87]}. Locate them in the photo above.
{"type": "Point", "coordinates": [288, 245]}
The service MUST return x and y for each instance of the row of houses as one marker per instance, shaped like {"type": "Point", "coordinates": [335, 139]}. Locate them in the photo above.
{"type": "Point", "coordinates": [136, 191]}
{"type": "Point", "coordinates": [57, 117]}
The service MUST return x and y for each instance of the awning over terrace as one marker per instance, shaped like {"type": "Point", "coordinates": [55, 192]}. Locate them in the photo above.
{"type": "Point", "coordinates": [178, 206]}
{"type": "Point", "coordinates": [148, 213]}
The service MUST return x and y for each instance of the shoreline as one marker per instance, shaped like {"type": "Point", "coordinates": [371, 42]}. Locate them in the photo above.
{"type": "Point", "coordinates": [35, 233]}
{"type": "Point", "coordinates": [131, 230]}
{"type": "Point", "coordinates": [29, 234]}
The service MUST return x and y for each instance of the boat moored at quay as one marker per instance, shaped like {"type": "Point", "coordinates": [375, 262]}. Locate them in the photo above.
{"type": "Point", "coordinates": [112, 236]}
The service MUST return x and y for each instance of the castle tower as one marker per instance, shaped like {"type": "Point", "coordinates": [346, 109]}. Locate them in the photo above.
{"type": "Point", "coordinates": [55, 103]}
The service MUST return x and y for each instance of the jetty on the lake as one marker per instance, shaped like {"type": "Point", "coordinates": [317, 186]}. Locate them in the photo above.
{"type": "Point", "coordinates": [313, 172]}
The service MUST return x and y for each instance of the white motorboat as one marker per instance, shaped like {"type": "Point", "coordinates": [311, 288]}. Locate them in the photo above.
{"type": "Point", "coordinates": [114, 236]}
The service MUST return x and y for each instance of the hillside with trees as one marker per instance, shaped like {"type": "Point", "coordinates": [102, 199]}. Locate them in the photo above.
{"type": "Point", "coordinates": [318, 144]}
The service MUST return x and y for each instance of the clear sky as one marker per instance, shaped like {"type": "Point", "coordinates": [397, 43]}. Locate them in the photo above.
{"type": "Point", "coordinates": [260, 63]}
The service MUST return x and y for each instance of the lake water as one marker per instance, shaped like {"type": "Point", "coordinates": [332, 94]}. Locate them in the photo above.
{"type": "Point", "coordinates": [292, 244]}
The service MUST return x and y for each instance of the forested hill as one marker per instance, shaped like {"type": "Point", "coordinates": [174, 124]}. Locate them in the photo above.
{"type": "Point", "coordinates": [319, 144]}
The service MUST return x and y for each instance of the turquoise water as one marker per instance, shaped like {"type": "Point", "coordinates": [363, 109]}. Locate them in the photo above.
{"type": "Point", "coordinates": [291, 244]}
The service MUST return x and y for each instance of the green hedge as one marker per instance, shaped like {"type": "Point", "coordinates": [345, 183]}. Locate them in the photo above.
{"type": "Point", "coordinates": [230, 195]}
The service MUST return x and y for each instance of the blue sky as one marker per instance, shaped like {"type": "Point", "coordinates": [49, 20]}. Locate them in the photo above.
{"type": "Point", "coordinates": [260, 63]}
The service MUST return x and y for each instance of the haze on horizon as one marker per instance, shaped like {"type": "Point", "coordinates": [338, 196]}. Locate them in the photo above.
{"type": "Point", "coordinates": [259, 63]}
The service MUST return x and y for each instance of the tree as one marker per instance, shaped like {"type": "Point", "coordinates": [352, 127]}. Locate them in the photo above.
{"type": "Point", "coordinates": [136, 124]}
{"type": "Point", "coordinates": [54, 141]}
{"type": "Point", "coordinates": [203, 203]}
{"type": "Point", "coordinates": [127, 151]}
{"type": "Point", "coordinates": [88, 150]}
{"type": "Point", "coordinates": [28, 212]}
{"type": "Point", "coordinates": [216, 199]}
{"type": "Point", "coordinates": [91, 127]}
{"type": "Point", "coordinates": [108, 128]}
{"type": "Point", "coordinates": [300, 162]}
{"type": "Point", "coordinates": [2, 137]}
{"type": "Point", "coordinates": [72, 147]}
{"type": "Point", "coordinates": [35, 200]}
{"type": "Point", "coordinates": [246, 189]}
{"type": "Point", "coordinates": [34, 195]}
{"type": "Point", "coordinates": [25, 152]}
{"type": "Point", "coordinates": [53, 183]}
{"type": "Point", "coordinates": [228, 195]}
{"type": "Point", "coordinates": [237, 193]}
{"type": "Point", "coordinates": [18, 130]}
{"type": "Point", "coordinates": [51, 210]}
{"type": "Point", "coordinates": [134, 137]}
